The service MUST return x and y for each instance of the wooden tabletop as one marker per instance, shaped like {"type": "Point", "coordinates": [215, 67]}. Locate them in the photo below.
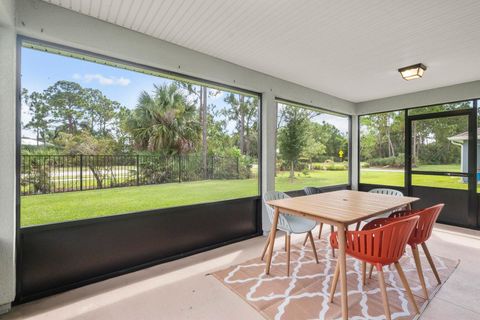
{"type": "Point", "coordinates": [344, 206]}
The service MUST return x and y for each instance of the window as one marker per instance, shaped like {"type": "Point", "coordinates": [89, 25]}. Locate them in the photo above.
{"type": "Point", "coordinates": [382, 148]}
{"type": "Point", "coordinates": [102, 138]}
{"type": "Point", "coordinates": [441, 145]}
{"type": "Point", "coordinates": [311, 148]}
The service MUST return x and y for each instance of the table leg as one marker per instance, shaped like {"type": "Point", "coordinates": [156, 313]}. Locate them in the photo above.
{"type": "Point", "coordinates": [342, 260]}
{"type": "Point", "coordinates": [273, 233]}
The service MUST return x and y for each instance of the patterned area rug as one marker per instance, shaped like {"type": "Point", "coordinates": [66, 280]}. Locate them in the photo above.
{"type": "Point", "coordinates": [304, 295]}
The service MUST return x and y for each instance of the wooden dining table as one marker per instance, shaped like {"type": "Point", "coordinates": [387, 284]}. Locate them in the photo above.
{"type": "Point", "coordinates": [340, 209]}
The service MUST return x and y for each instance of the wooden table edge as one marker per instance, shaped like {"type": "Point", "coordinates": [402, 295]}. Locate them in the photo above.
{"type": "Point", "coordinates": [336, 222]}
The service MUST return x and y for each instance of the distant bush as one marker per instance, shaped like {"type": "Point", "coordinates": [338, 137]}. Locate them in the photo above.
{"type": "Point", "coordinates": [364, 165]}
{"type": "Point", "coordinates": [306, 167]}
{"type": "Point", "coordinates": [330, 165]}
{"type": "Point", "coordinates": [306, 172]}
{"type": "Point", "coordinates": [285, 165]}
{"type": "Point", "coordinates": [390, 162]}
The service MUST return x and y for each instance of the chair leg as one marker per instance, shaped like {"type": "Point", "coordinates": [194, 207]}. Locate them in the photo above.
{"type": "Point", "coordinates": [286, 236]}
{"type": "Point", "coordinates": [418, 264]}
{"type": "Point", "coordinates": [309, 234]}
{"type": "Point", "coordinates": [320, 231]}
{"type": "Point", "coordinates": [334, 282]}
{"type": "Point", "coordinates": [430, 261]}
{"type": "Point", "coordinates": [358, 226]}
{"type": "Point", "coordinates": [364, 273]}
{"type": "Point", "coordinates": [266, 247]}
{"type": "Point", "coordinates": [406, 286]}
{"type": "Point", "coordinates": [381, 281]}
{"type": "Point", "coordinates": [332, 230]}
{"type": "Point", "coordinates": [288, 255]}
{"type": "Point", "coordinates": [370, 272]}
{"type": "Point", "coordinates": [306, 239]}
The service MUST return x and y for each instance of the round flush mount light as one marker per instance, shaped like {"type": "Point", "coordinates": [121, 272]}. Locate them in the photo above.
{"type": "Point", "coordinates": [412, 72]}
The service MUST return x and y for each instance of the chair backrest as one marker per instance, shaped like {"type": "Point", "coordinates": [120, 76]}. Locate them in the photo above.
{"type": "Point", "coordinates": [388, 192]}
{"type": "Point", "coordinates": [423, 229]}
{"type": "Point", "coordinates": [383, 245]}
{"type": "Point", "coordinates": [275, 195]}
{"type": "Point", "coordinates": [311, 190]}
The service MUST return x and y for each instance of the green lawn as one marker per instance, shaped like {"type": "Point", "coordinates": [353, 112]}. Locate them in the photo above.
{"type": "Point", "coordinates": [51, 208]}
{"type": "Point", "coordinates": [314, 178]}
{"type": "Point", "coordinates": [396, 177]}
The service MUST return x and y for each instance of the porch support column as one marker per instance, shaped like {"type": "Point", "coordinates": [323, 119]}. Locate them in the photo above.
{"type": "Point", "coordinates": [7, 153]}
{"type": "Point", "coordinates": [269, 126]}
{"type": "Point", "coordinates": [354, 163]}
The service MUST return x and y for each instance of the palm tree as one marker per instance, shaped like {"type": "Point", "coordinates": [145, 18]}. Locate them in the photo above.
{"type": "Point", "coordinates": [164, 121]}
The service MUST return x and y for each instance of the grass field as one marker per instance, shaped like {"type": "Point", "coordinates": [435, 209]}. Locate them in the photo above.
{"type": "Point", "coordinates": [314, 178]}
{"type": "Point", "coordinates": [396, 177]}
{"type": "Point", "coordinates": [51, 208]}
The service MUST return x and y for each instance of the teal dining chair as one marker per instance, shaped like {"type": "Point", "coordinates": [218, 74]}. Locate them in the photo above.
{"type": "Point", "coordinates": [289, 224]}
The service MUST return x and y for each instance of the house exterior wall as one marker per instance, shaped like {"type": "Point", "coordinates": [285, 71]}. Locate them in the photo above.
{"type": "Point", "coordinates": [464, 158]}
{"type": "Point", "coordinates": [7, 153]}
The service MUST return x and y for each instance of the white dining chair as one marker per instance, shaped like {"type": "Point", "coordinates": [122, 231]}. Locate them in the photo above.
{"type": "Point", "coordinates": [289, 224]}
{"type": "Point", "coordinates": [386, 191]}
{"type": "Point", "coordinates": [310, 191]}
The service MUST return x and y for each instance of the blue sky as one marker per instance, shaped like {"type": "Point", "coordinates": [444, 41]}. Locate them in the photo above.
{"type": "Point", "coordinates": [41, 70]}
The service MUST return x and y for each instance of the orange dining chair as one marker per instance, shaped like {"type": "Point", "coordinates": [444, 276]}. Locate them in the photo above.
{"type": "Point", "coordinates": [380, 247]}
{"type": "Point", "coordinates": [420, 234]}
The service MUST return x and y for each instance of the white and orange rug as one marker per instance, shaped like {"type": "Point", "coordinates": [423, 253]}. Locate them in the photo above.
{"type": "Point", "coordinates": [304, 295]}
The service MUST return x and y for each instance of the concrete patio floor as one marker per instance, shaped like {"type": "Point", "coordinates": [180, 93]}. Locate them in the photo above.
{"type": "Point", "coordinates": [182, 289]}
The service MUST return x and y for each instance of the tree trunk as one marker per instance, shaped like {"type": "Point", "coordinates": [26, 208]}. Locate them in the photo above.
{"type": "Point", "coordinates": [70, 125]}
{"type": "Point", "coordinates": [203, 121]}
{"type": "Point", "coordinates": [391, 149]}
{"type": "Point", "coordinates": [292, 172]}
{"type": "Point", "coordinates": [414, 144]}
{"type": "Point", "coordinates": [97, 176]}
{"type": "Point", "coordinates": [242, 124]}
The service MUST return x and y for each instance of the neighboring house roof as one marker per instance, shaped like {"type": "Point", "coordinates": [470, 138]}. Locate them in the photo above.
{"type": "Point", "coordinates": [463, 136]}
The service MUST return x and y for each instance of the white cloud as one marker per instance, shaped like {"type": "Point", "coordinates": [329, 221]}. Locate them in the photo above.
{"type": "Point", "coordinates": [103, 80]}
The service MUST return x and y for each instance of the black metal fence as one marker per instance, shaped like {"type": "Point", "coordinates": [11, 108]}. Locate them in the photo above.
{"type": "Point", "coordinates": [42, 174]}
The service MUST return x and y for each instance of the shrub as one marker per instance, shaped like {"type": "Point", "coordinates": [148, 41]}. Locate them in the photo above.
{"type": "Point", "coordinates": [330, 165]}
{"type": "Point", "coordinates": [36, 175]}
{"type": "Point", "coordinates": [317, 166]}
{"type": "Point", "coordinates": [390, 162]}
{"type": "Point", "coordinates": [306, 172]}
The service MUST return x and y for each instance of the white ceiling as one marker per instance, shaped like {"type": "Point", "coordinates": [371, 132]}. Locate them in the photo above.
{"type": "Point", "coordinates": [348, 48]}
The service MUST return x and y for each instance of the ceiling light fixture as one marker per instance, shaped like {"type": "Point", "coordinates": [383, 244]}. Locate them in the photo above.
{"type": "Point", "coordinates": [412, 72]}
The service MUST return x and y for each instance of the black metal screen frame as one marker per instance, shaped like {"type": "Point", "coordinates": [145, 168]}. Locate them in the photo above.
{"type": "Point", "coordinates": [472, 155]}
{"type": "Point", "coordinates": [347, 185]}
{"type": "Point", "coordinates": [474, 198]}
{"type": "Point", "coordinates": [90, 221]}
